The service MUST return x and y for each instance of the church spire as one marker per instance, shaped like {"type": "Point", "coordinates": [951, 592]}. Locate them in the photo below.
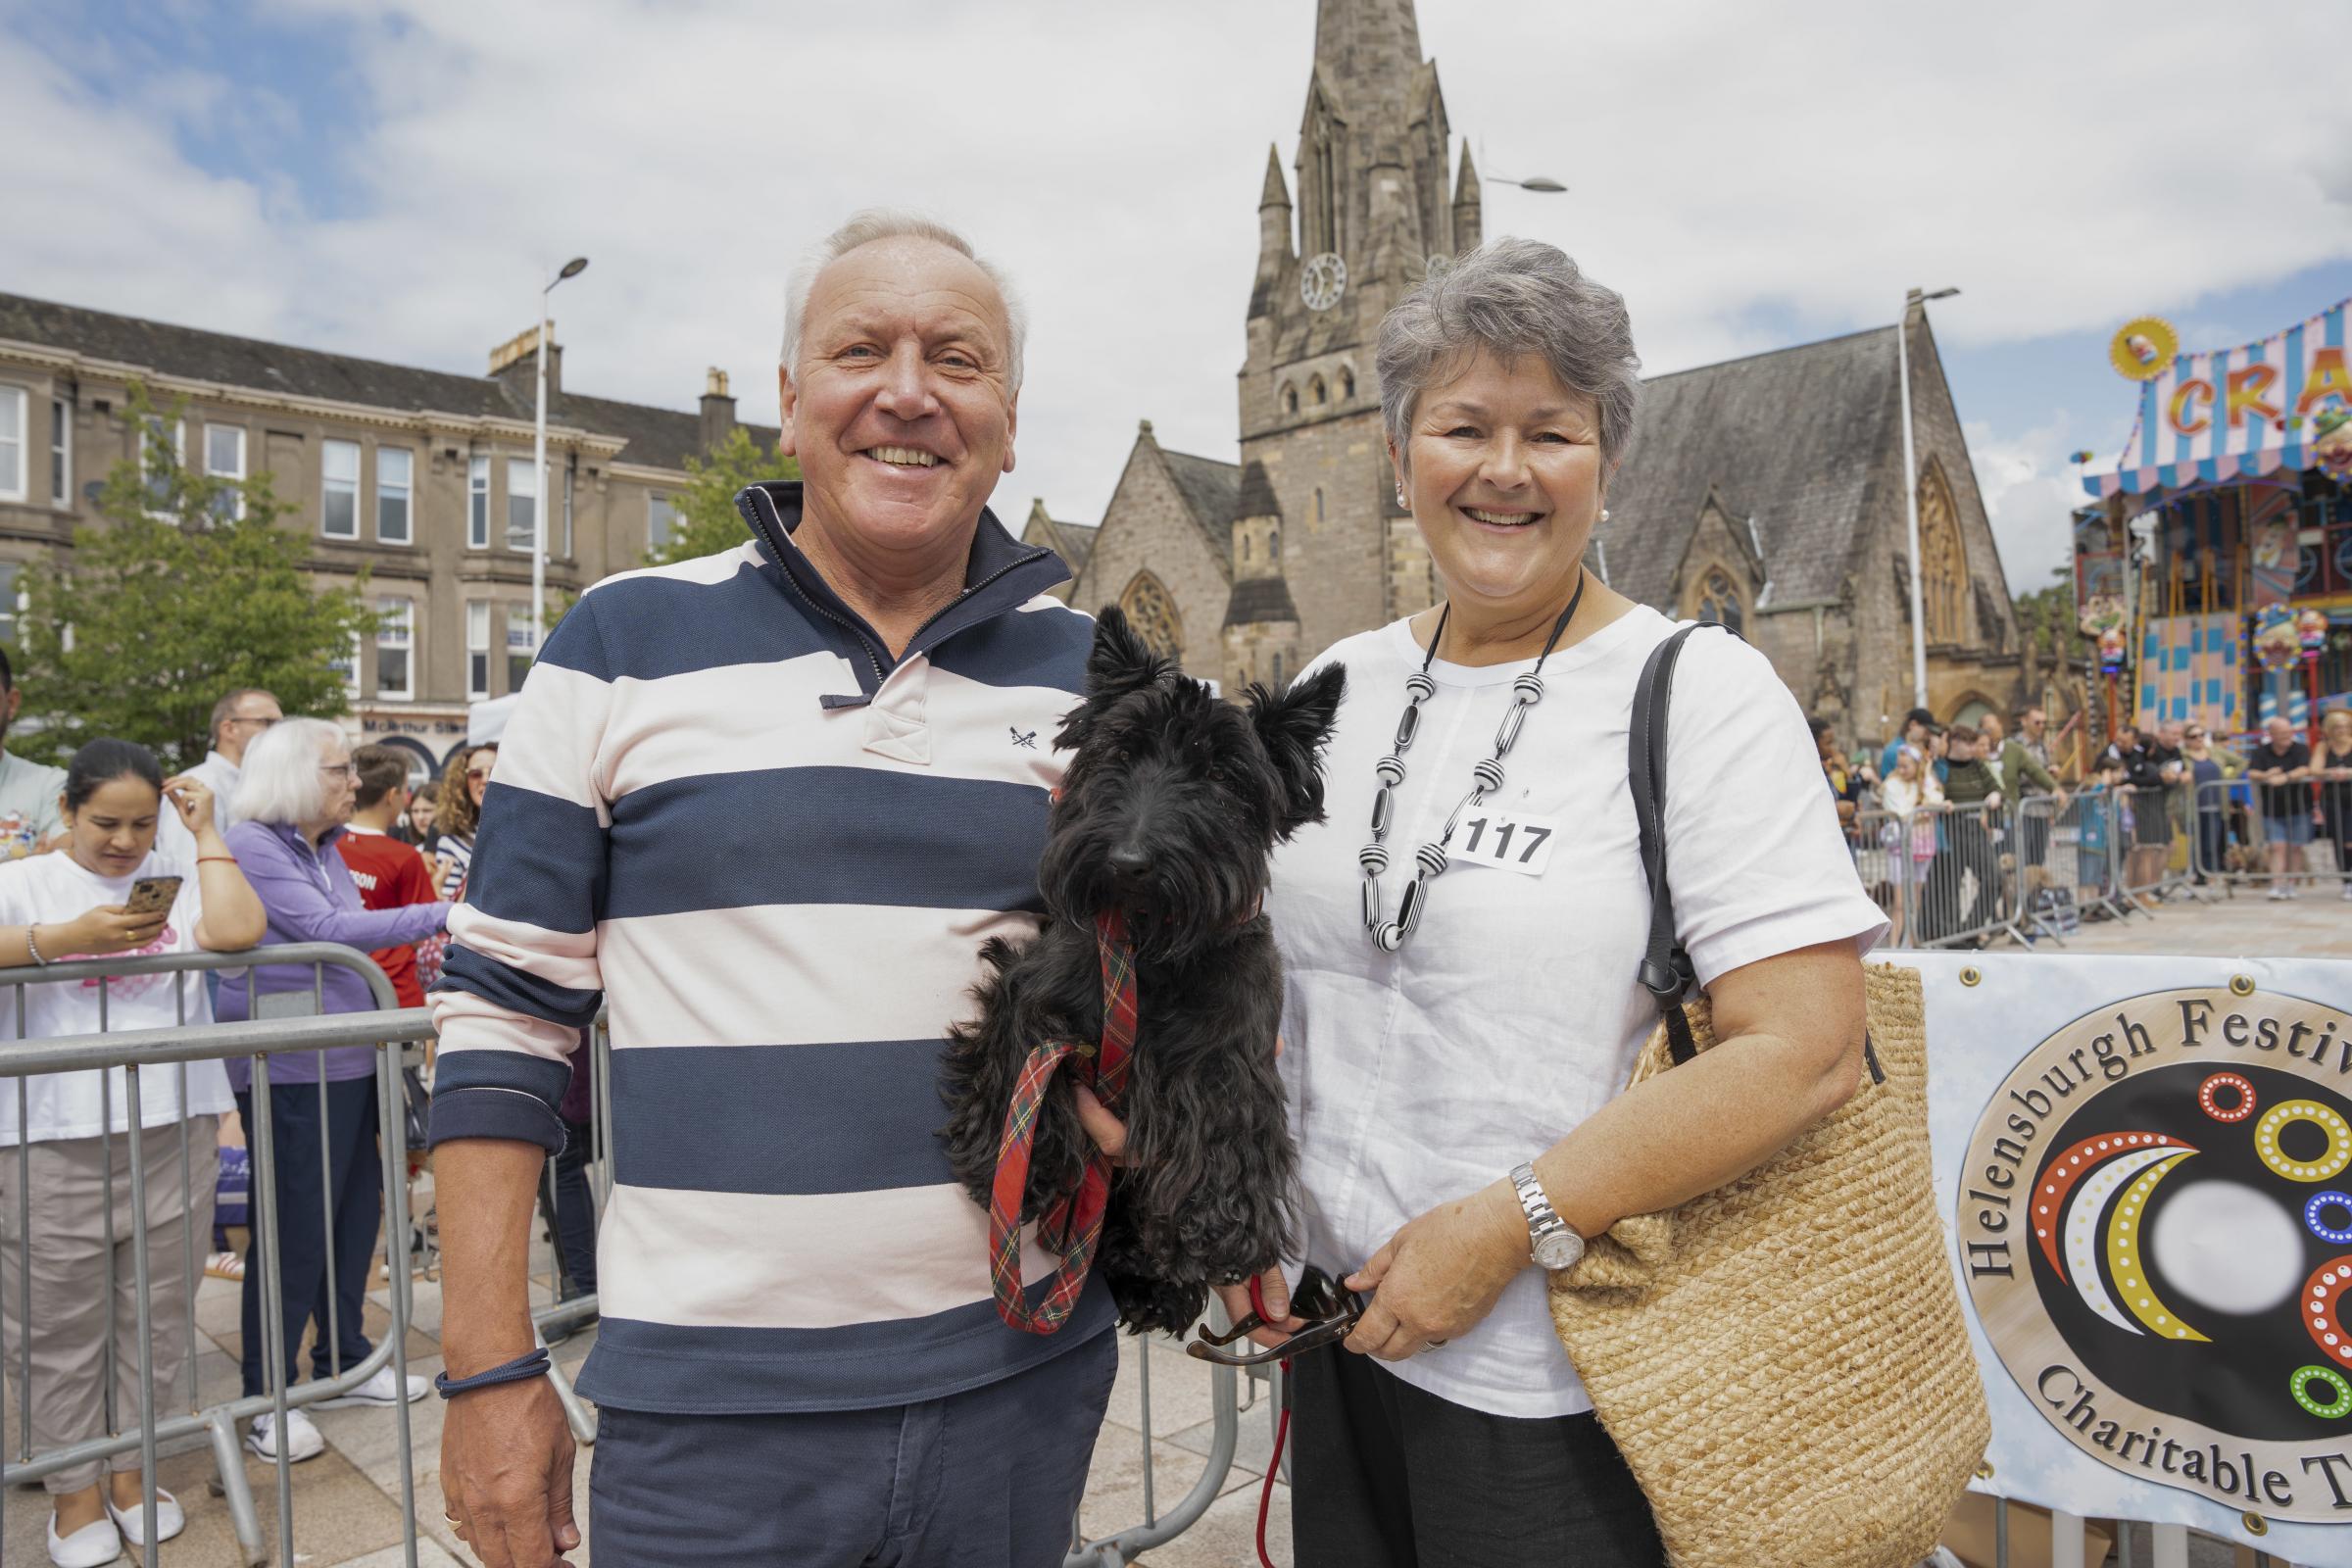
{"type": "Point", "coordinates": [1367, 49]}
{"type": "Point", "coordinates": [1467, 224]}
{"type": "Point", "coordinates": [1274, 251]}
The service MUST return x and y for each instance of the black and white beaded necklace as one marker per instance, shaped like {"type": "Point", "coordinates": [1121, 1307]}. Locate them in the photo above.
{"type": "Point", "coordinates": [1487, 777]}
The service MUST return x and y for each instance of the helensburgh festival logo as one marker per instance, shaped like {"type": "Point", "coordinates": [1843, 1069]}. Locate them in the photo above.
{"type": "Point", "coordinates": [2156, 1229]}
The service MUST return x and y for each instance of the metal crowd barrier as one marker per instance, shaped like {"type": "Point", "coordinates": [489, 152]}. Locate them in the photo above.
{"type": "Point", "coordinates": [1937, 872]}
{"type": "Point", "coordinates": [2158, 860]}
{"type": "Point", "coordinates": [2240, 838]}
{"type": "Point", "coordinates": [288, 1023]}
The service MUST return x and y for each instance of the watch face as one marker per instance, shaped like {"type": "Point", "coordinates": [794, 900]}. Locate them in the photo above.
{"type": "Point", "coordinates": [1562, 1249]}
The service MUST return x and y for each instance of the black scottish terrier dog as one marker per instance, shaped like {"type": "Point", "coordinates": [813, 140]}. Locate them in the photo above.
{"type": "Point", "coordinates": [1168, 813]}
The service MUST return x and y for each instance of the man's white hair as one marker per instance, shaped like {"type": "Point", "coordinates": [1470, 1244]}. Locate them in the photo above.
{"type": "Point", "coordinates": [879, 223]}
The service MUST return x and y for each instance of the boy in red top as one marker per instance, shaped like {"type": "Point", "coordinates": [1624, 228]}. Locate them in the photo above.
{"type": "Point", "coordinates": [389, 873]}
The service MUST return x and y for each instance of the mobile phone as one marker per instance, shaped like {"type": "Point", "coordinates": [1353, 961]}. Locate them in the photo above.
{"type": "Point", "coordinates": [153, 894]}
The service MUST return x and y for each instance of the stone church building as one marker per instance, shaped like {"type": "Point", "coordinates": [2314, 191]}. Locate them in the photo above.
{"type": "Point", "coordinates": [1765, 492]}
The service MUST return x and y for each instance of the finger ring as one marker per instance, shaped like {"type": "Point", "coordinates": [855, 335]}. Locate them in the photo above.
{"type": "Point", "coordinates": [451, 1518]}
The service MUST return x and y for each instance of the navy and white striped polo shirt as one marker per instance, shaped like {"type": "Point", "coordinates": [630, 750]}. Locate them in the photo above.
{"type": "Point", "coordinates": [723, 806]}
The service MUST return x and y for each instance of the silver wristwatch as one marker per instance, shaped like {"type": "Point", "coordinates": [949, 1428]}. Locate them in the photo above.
{"type": "Point", "coordinates": [1553, 1244]}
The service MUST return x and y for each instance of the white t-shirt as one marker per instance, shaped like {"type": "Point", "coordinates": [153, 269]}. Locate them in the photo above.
{"type": "Point", "coordinates": [51, 888]}
{"type": "Point", "coordinates": [1514, 1012]}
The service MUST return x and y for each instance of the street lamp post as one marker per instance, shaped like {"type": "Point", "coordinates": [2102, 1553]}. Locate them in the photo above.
{"type": "Point", "coordinates": [1903, 360]}
{"type": "Point", "coordinates": [572, 268]}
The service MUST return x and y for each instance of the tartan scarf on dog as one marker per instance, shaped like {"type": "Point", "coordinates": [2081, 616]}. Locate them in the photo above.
{"type": "Point", "coordinates": [1073, 1224]}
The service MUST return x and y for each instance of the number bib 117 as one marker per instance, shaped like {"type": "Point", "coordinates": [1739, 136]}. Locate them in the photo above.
{"type": "Point", "coordinates": [1510, 841]}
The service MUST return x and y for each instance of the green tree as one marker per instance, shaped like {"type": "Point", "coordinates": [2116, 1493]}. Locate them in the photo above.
{"type": "Point", "coordinates": [187, 588]}
{"type": "Point", "coordinates": [2049, 617]}
{"type": "Point", "coordinates": [707, 520]}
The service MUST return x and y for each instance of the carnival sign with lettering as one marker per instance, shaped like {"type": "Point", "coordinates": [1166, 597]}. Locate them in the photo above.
{"type": "Point", "coordinates": [2232, 414]}
{"type": "Point", "coordinates": [2150, 1167]}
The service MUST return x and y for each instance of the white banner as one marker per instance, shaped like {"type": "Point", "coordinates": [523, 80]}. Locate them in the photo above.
{"type": "Point", "coordinates": [2146, 1167]}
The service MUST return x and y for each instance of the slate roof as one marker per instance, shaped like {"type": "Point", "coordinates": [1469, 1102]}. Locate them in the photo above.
{"type": "Point", "coordinates": [1259, 598]}
{"type": "Point", "coordinates": [1210, 489]}
{"type": "Point", "coordinates": [657, 437]}
{"type": "Point", "coordinates": [1796, 435]}
{"type": "Point", "coordinates": [1074, 542]}
{"type": "Point", "coordinates": [1255, 497]}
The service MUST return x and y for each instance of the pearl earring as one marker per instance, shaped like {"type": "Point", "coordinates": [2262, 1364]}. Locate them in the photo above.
{"type": "Point", "coordinates": [1604, 514]}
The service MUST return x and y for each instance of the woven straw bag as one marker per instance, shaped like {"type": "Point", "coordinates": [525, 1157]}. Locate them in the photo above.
{"type": "Point", "coordinates": [1783, 1361]}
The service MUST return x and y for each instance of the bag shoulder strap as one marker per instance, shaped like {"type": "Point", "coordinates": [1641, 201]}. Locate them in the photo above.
{"type": "Point", "coordinates": [1666, 969]}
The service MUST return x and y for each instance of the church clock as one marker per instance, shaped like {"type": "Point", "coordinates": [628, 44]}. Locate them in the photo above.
{"type": "Point", "coordinates": [1323, 280]}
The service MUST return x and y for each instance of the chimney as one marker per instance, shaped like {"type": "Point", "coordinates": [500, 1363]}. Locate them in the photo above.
{"type": "Point", "coordinates": [515, 362]}
{"type": "Point", "coordinates": [718, 409]}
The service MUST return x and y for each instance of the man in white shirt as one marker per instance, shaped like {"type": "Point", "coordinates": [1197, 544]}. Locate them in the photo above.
{"type": "Point", "coordinates": [236, 719]}
{"type": "Point", "coordinates": [30, 812]}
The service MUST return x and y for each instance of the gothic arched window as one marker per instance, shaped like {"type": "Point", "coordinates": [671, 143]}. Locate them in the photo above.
{"type": "Point", "coordinates": [1346, 384]}
{"type": "Point", "coordinates": [1278, 671]}
{"type": "Point", "coordinates": [1290, 400]}
{"type": "Point", "coordinates": [1315, 393]}
{"type": "Point", "coordinates": [1244, 547]}
{"type": "Point", "coordinates": [1943, 585]}
{"type": "Point", "coordinates": [1719, 601]}
{"type": "Point", "coordinates": [1153, 615]}
{"type": "Point", "coordinates": [1274, 544]}
{"type": "Point", "coordinates": [1318, 502]}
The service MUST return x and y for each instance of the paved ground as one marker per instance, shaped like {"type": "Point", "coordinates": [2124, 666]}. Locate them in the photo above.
{"type": "Point", "coordinates": [347, 1512]}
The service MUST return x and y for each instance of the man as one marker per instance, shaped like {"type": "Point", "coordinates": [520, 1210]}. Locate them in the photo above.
{"type": "Point", "coordinates": [2025, 770]}
{"type": "Point", "coordinates": [2149, 769]}
{"type": "Point", "coordinates": [1845, 784]}
{"type": "Point", "coordinates": [238, 718]}
{"type": "Point", "coordinates": [31, 807]}
{"type": "Point", "coordinates": [390, 874]}
{"type": "Point", "coordinates": [1975, 792]}
{"type": "Point", "coordinates": [770, 802]}
{"type": "Point", "coordinates": [1917, 723]}
{"type": "Point", "coordinates": [2280, 764]}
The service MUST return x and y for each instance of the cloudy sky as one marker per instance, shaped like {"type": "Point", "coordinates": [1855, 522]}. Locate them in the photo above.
{"type": "Point", "coordinates": [390, 180]}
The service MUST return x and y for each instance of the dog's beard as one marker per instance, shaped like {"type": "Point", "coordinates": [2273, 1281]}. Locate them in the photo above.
{"type": "Point", "coordinates": [1189, 906]}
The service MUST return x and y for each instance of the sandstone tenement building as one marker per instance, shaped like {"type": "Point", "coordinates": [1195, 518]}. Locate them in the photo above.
{"type": "Point", "coordinates": [422, 476]}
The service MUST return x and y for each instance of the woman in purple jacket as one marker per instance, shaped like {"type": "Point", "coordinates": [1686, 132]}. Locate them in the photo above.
{"type": "Point", "coordinates": [293, 799]}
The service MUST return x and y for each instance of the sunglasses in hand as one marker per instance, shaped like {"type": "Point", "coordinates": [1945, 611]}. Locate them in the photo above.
{"type": "Point", "coordinates": [1330, 1309]}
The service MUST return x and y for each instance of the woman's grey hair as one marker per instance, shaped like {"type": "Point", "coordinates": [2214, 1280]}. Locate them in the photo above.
{"type": "Point", "coordinates": [281, 781]}
{"type": "Point", "coordinates": [1514, 297]}
{"type": "Point", "coordinates": [879, 223]}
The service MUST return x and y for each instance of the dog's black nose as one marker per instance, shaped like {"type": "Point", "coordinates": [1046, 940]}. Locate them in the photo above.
{"type": "Point", "coordinates": [1130, 861]}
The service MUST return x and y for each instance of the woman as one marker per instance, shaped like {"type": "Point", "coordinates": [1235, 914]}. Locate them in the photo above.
{"type": "Point", "coordinates": [456, 811]}
{"type": "Point", "coordinates": [2209, 767]}
{"type": "Point", "coordinates": [1496, 1022]}
{"type": "Point", "coordinates": [2332, 766]}
{"type": "Point", "coordinates": [71, 904]}
{"type": "Point", "coordinates": [1913, 797]}
{"type": "Point", "coordinates": [415, 827]}
{"type": "Point", "coordinates": [297, 792]}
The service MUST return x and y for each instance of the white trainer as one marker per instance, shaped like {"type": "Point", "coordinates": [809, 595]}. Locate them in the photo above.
{"type": "Point", "coordinates": [94, 1544]}
{"type": "Point", "coordinates": [170, 1521]}
{"type": "Point", "coordinates": [378, 1389]}
{"type": "Point", "coordinates": [303, 1441]}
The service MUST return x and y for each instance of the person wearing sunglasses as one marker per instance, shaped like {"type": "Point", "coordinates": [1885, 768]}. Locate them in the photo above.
{"type": "Point", "coordinates": [295, 801]}
{"type": "Point", "coordinates": [457, 814]}
{"type": "Point", "coordinates": [239, 718]}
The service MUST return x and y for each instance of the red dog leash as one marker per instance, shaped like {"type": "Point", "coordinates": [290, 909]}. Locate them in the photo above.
{"type": "Point", "coordinates": [1073, 1225]}
{"type": "Point", "coordinates": [1282, 1426]}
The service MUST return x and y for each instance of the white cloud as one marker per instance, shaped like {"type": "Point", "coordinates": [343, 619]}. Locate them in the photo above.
{"type": "Point", "coordinates": [2029, 485]}
{"type": "Point", "coordinates": [1730, 167]}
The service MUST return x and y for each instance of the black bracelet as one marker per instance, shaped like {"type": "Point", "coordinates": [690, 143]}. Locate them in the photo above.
{"type": "Point", "coordinates": [520, 1370]}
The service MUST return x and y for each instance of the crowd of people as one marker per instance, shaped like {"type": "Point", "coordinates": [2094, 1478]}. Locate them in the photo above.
{"type": "Point", "coordinates": [284, 833]}
{"type": "Point", "coordinates": [1947, 821]}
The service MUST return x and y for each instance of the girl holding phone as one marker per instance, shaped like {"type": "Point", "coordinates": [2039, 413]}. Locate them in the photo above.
{"type": "Point", "coordinates": [109, 892]}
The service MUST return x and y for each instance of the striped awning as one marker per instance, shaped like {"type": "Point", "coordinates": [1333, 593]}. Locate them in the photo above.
{"type": "Point", "coordinates": [2236, 413]}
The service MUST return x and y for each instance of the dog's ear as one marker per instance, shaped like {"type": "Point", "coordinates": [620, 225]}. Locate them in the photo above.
{"type": "Point", "coordinates": [1118, 664]}
{"type": "Point", "coordinates": [1293, 726]}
